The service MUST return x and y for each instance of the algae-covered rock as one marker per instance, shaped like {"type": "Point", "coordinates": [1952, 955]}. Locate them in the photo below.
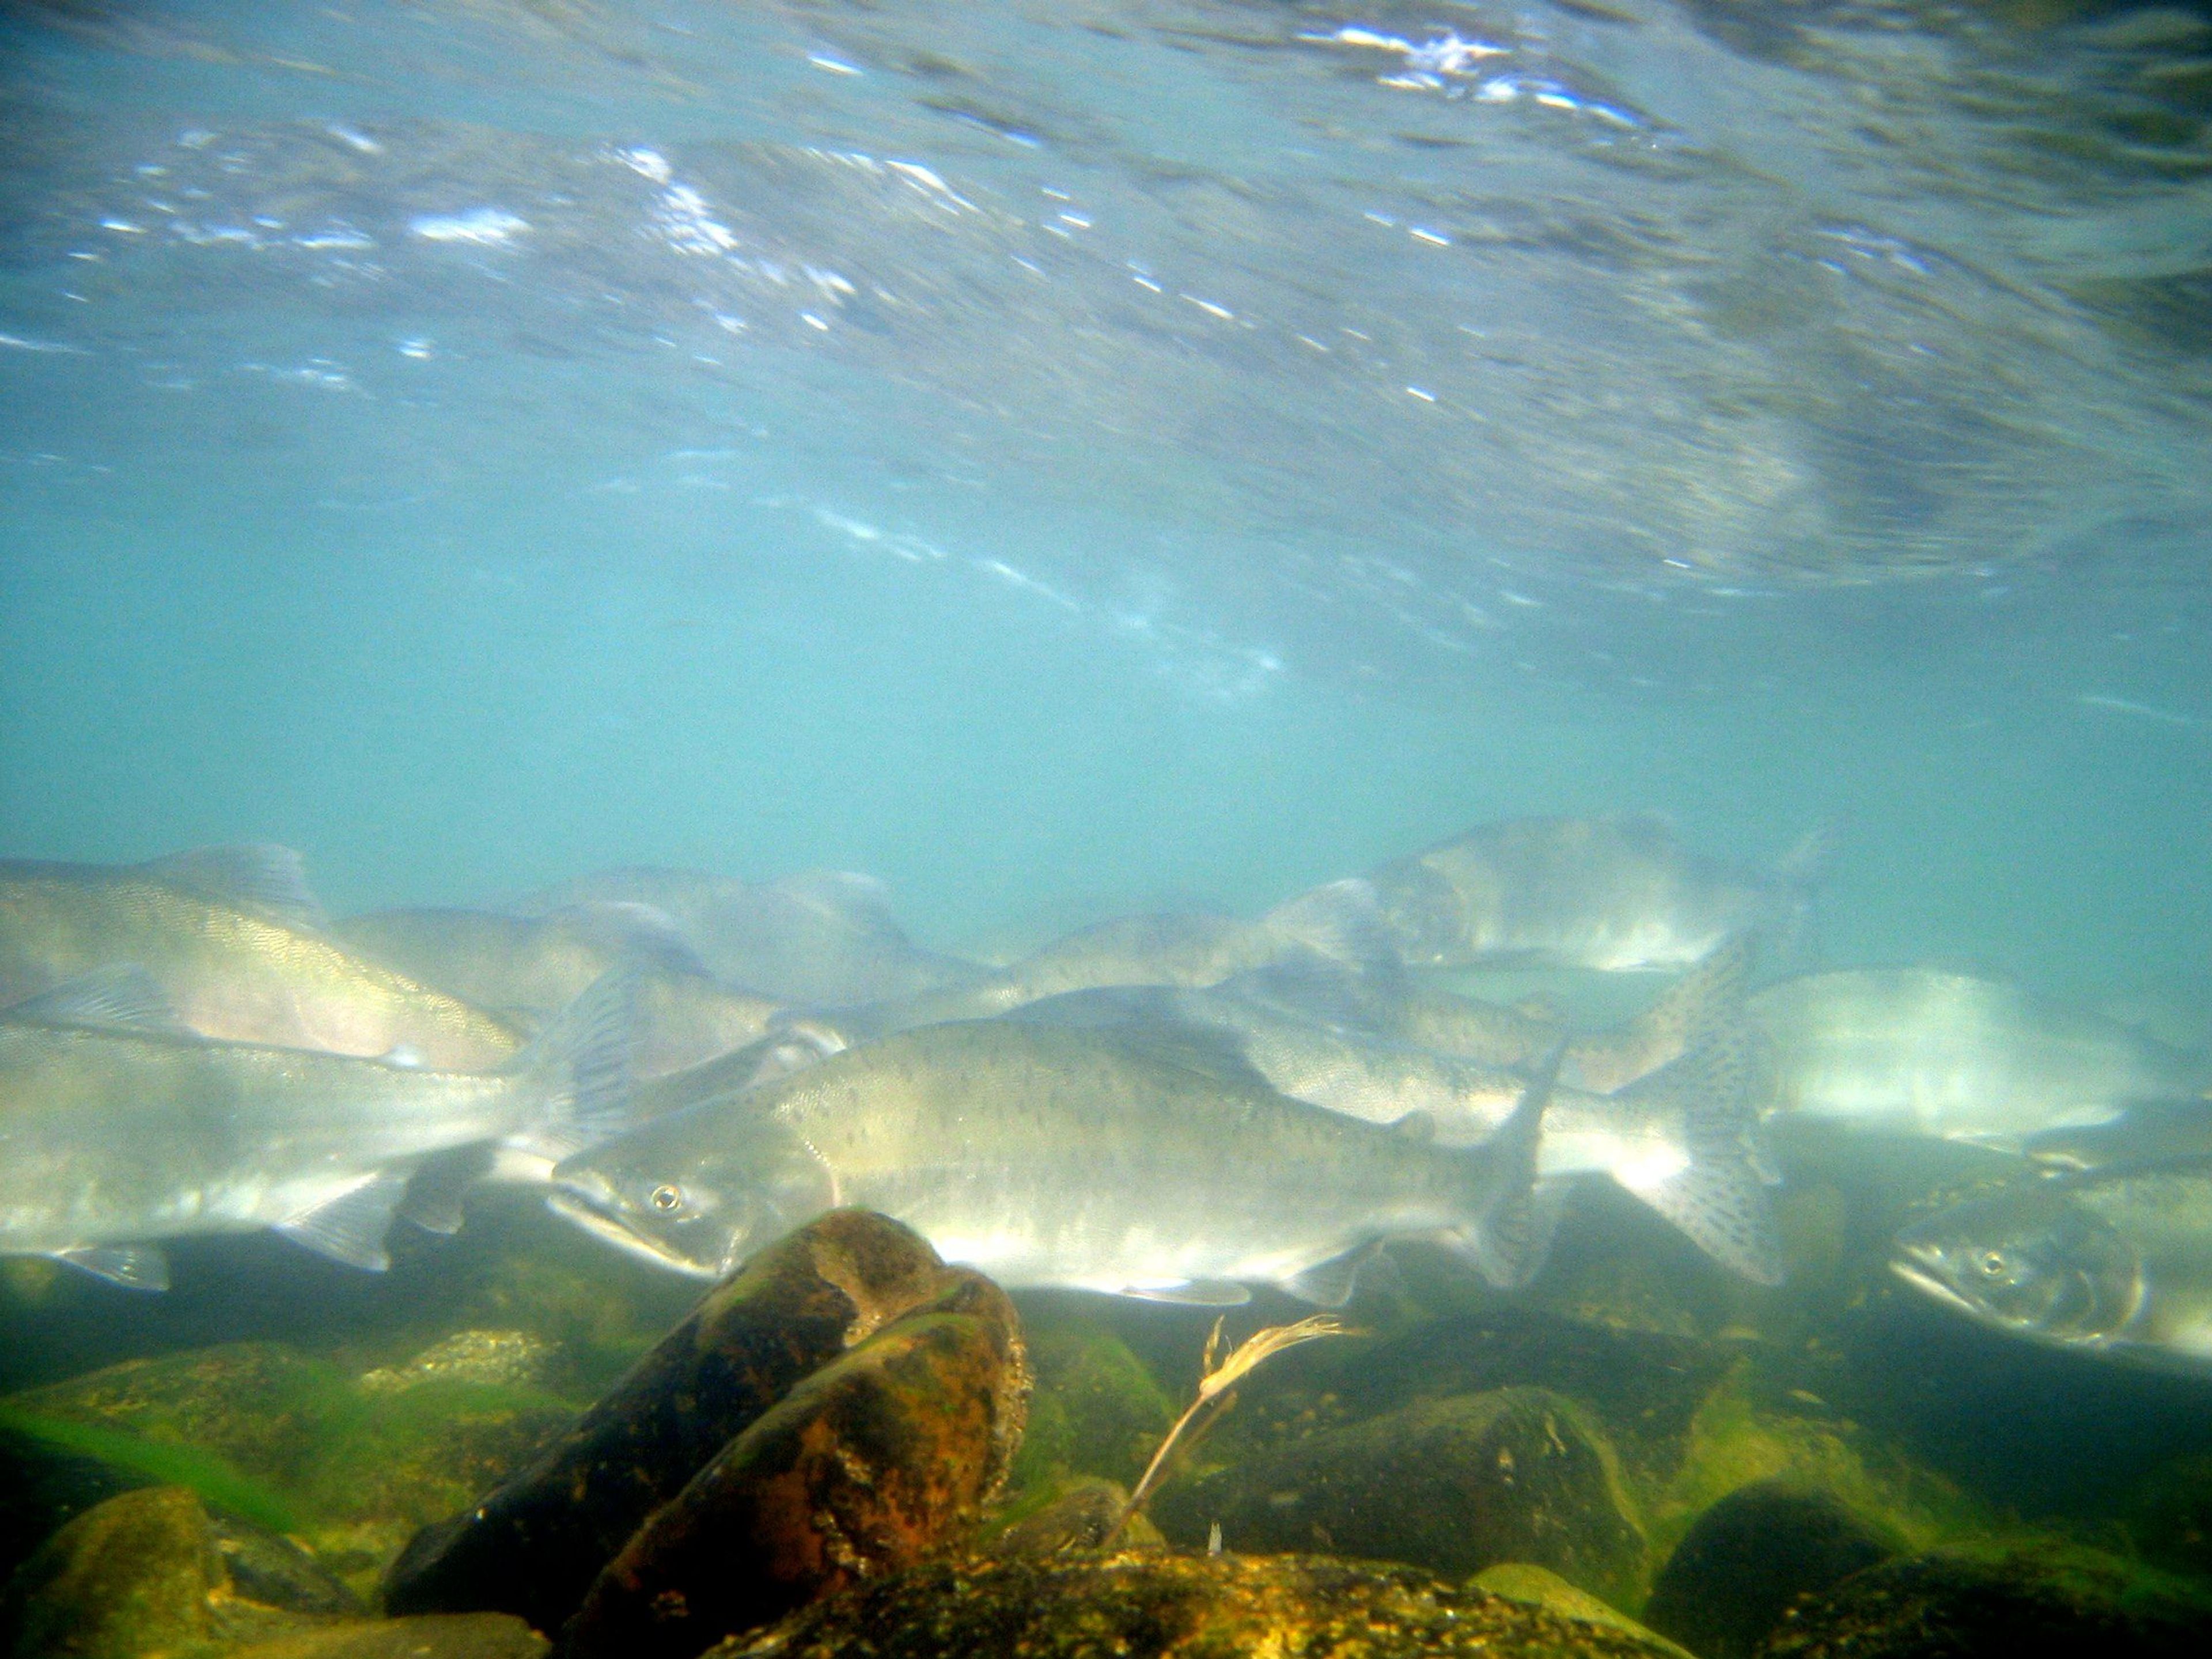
{"type": "Point", "coordinates": [128, 1577]}
{"type": "Point", "coordinates": [1097, 1410]}
{"type": "Point", "coordinates": [1748, 1557]}
{"type": "Point", "coordinates": [866, 1465]}
{"type": "Point", "coordinates": [1454, 1485]}
{"type": "Point", "coordinates": [1523, 1581]}
{"type": "Point", "coordinates": [45, 1485]}
{"type": "Point", "coordinates": [533, 1546]}
{"type": "Point", "coordinates": [1157, 1605]}
{"type": "Point", "coordinates": [1949, 1606]}
{"type": "Point", "coordinates": [2169, 1516]}
{"type": "Point", "coordinates": [428, 1636]}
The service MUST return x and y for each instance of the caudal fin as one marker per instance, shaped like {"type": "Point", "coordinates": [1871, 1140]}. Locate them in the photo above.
{"type": "Point", "coordinates": [1342, 922]}
{"type": "Point", "coordinates": [581, 1064]}
{"type": "Point", "coordinates": [1704, 1006]}
{"type": "Point", "coordinates": [1512, 1236]}
{"type": "Point", "coordinates": [1716, 1191]}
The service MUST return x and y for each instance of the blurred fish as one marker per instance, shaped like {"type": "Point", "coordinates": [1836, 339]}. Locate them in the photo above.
{"type": "Point", "coordinates": [1336, 929]}
{"type": "Point", "coordinates": [228, 936]}
{"type": "Point", "coordinates": [1605, 893]}
{"type": "Point", "coordinates": [1924, 1052]}
{"type": "Point", "coordinates": [2149, 1133]}
{"type": "Point", "coordinates": [528, 968]}
{"type": "Point", "coordinates": [1683, 1139]}
{"type": "Point", "coordinates": [2118, 1266]}
{"type": "Point", "coordinates": [119, 1126]}
{"type": "Point", "coordinates": [1045, 1156]}
{"type": "Point", "coordinates": [824, 938]}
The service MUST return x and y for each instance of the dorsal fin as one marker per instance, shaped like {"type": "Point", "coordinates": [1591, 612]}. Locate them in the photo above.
{"type": "Point", "coordinates": [863, 902]}
{"type": "Point", "coordinates": [260, 877]}
{"type": "Point", "coordinates": [121, 996]}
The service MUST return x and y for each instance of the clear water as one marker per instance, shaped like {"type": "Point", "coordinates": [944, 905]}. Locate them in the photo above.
{"type": "Point", "coordinates": [1071, 458]}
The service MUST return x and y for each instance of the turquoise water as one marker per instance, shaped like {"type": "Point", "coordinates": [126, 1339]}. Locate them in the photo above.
{"type": "Point", "coordinates": [1074, 460]}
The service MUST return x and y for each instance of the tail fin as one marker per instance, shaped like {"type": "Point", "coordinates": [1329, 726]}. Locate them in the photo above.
{"type": "Point", "coordinates": [1341, 922]}
{"type": "Point", "coordinates": [581, 1063]}
{"type": "Point", "coordinates": [1703, 1006]}
{"type": "Point", "coordinates": [1811, 857]}
{"type": "Point", "coordinates": [1512, 1235]}
{"type": "Point", "coordinates": [1716, 1195]}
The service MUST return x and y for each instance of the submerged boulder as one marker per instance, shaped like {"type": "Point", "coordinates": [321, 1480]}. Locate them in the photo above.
{"type": "Point", "coordinates": [534, 1546]}
{"type": "Point", "coordinates": [428, 1635]}
{"type": "Point", "coordinates": [1078, 1516]}
{"type": "Point", "coordinates": [872, 1462]}
{"type": "Point", "coordinates": [1951, 1607]}
{"type": "Point", "coordinates": [1748, 1557]}
{"type": "Point", "coordinates": [1454, 1485]}
{"type": "Point", "coordinates": [130, 1577]}
{"type": "Point", "coordinates": [151, 1572]}
{"type": "Point", "coordinates": [1157, 1604]}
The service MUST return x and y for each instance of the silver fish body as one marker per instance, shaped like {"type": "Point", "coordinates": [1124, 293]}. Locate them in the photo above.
{"type": "Point", "coordinates": [1045, 1156]}
{"type": "Point", "coordinates": [1923, 1052]}
{"type": "Point", "coordinates": [1613, 894]}
{"type": "Point", "coordinates": [118, 1127]}
{"type": "Point", "coordinates": [825, 938]}
{"type": "Point", "coordinates": [2117, 1265]}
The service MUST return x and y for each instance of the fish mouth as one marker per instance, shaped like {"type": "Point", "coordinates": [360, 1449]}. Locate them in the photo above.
{"type": "Point", "coordinates": [1921, 1279]}
{"type": "Point", "coordinates": [575, 1206]}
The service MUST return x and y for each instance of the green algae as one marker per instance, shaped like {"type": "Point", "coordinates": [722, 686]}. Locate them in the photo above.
{"type": "Point", "coordinates": [167, 1463]}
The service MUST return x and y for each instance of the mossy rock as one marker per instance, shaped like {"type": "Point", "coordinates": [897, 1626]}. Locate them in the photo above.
{"type": "Point", "coordinates": [1748, 1557]}
{"type": "Point", "coordinates": [1159, 1604]}
{"type": "Point", "coordinates": [295, 1444]}
{"type": "Point", "coordinates": [1078, 1515]}
{"type": "Point", "coordinates": [128, 1577]}
{"type": "Point", "coordinates": [532, 1545]}
{"type": "Point", "coordinates": [2169, 1516]}
{"type": "Point", "coordinates": [887, 1454]}
{"type": "Point", "coordinates": [1098, 1408]}
{"type": "Point", "coordinates": [1955, 1607]}
{"type": "Point", "coordinates": [1523, 1581]}
{"type": "Point", "coordinates": [428, 1636]}
{"type": "Point", "coordinates": [1454, 1485]}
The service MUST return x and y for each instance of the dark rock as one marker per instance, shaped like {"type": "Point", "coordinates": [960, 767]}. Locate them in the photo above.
{"type": "Point", "coordinates": [867, 1465]}
{"type": "Point", "coordinates": [1748, 1557]}
{"type": "Point", "coordinates": [273, 1572]}
{"type": "Point", "coordinates": [1079, 1517]}
{"type": "Point", "coordinates": [2169, 1518]}
{"type": "Point", "coordinates": [1454, 1485]}
{"type": "Point", "coordinates": [430, 1636]}
{"type": "Point", "coordinates": [534, 1546]}
{"type": "Point", "coordinates": [1155, 1605]}
{"type": "Point", "coordinates": [46, 1485]}
{"type": "Point", "coordinates": [128, 1577]}
{"type": "Point", "coordinates": [1944, 1606]}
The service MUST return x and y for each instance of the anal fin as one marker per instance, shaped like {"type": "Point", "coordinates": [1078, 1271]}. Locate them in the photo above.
{"type": "Point", "coordinates": [1196, 1293]}
{"type": "Point", "coordinates": [351, 1228]}
{"type": "Point", "coordinates": [1330, 1284]}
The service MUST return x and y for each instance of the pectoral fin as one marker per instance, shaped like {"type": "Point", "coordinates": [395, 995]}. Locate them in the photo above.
{"type": "Point", "coordinates": [1196, 1293]}
{"type": "Point", "coordinates": [131, 1266]}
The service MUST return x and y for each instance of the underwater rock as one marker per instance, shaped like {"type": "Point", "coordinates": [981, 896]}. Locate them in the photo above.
{"type": "Point", "coordinates": [2169, 1516]}
{"type": "Point", "coordinates": [1948, 1606]}
{"type": "Point", "coordinates": [1454, 1485]}
{"type": "Point", "coordinates": [128, 1577]}
{"type": "Point", "coordinates": [1155, 1605]}
{"type": "Point", "coordinates": [153, 1571]}
{"type": "Point", "coordinates": [1523, 1581]}
{"type": "Point", "coordinates": [509, 1359]}
{"type": "Point", "coordinates": [533, 1546]}
{"type": "Point", "coordinates": [1078, 1518]}
{"type": "Point", "coordinates": [1646, 1386]}
{"type": "Point", "coordinates": [46, 1485]}
{"type": "Point", "coordinates": [428, 1636]}
{"type": "Point", "coordinates": [879, 1458]}
{"type": "Point", "coordinates": [1097, 1410]}
{"type": "Point", "coordinates": [1748, 1557]}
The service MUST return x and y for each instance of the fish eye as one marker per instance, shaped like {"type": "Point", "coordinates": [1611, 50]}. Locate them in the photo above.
{"type": "Point", "coordinates": [1991, 1262]}
{"type": "Point", "coordinates": [665, 1198]}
